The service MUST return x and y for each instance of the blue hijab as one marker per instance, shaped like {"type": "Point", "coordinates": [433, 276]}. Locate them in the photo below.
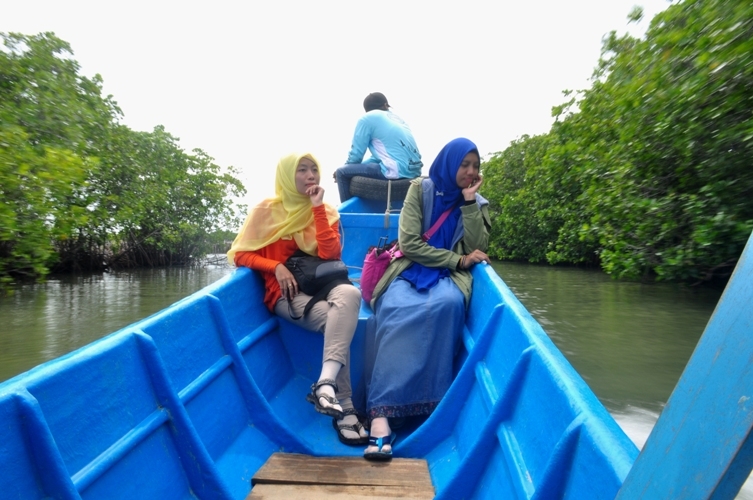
{"type": "Point", "coordinates": [447, 194]}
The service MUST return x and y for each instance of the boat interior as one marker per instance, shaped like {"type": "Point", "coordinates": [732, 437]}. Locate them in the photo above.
{"type": "Point", "coordinates": [192, 401]}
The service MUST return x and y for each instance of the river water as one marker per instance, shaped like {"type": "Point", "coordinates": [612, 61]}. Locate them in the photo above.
{"type": "Point", "coordinates": [39, 322]}
{"type": "Point", "coordinates": [629, 341]}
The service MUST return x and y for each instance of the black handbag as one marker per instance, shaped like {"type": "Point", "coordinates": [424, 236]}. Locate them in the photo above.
{"type": "Point", "coordinates": [315, 276]}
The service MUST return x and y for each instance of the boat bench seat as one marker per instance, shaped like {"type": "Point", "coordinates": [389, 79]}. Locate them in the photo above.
{"type": "Point", "coordinates": [123, 423]}
{"type": "Point", "coordinates": [27, 471]}
{"type": "Point", "coordinates": [171, 402]}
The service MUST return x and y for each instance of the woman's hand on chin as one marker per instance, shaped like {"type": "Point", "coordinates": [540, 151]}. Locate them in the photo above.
{"type": "Point", "coordinates": [469, 193]}
{"type": "Point", "coordinates": [316, 193]}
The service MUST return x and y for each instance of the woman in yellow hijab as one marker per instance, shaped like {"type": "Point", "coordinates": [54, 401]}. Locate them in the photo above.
{"type": "Point", "coordinates": [297, 218]}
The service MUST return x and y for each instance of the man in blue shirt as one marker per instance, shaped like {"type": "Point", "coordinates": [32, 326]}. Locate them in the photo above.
{"type": "Point", "coordinates": [394, 154]}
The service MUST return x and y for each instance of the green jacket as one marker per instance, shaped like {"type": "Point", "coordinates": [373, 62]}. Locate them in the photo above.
{"type": "Point", "coordinates": [476, 237]}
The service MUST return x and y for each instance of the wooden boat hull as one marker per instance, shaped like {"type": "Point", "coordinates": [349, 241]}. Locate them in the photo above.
{"type": "Point", "coordinates": [190, 403]}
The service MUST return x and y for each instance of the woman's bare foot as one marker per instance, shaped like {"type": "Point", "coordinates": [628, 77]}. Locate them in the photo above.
{"type": "Point", "coordinates": [380, 427]}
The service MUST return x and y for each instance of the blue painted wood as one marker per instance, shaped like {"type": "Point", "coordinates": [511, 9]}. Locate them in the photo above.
{"type": "Point", "coordinates": [191, 401]}
{"type": "Point", "coordinates": [701, 444]}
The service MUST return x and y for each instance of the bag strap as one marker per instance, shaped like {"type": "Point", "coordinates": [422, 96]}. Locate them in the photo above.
{"type": "Point", "coordinates": [320, 295]}
{"type": "Point", "coordinates": [433, 229]}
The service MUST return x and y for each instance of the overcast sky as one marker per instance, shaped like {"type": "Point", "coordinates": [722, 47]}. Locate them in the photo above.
{"type": "Point", "coordinates": [249, 82]}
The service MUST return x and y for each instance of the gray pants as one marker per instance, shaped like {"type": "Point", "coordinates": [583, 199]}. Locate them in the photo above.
{"type": "Point", "coordinates": [337, 318]}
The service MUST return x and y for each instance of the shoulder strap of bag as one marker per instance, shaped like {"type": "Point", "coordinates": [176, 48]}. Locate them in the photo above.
{"type": "Point", "coordinates": [320, 295]}
{"type": "Point", "coordinates": [433, 229]}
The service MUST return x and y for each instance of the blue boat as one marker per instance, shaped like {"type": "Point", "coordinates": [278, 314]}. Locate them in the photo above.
{"type": "Point", "coordinates": [192, 401]}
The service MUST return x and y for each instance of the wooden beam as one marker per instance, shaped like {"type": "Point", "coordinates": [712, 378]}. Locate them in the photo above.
{"type": "Point", "coordinates": [335, 492]}
{"type": "Point", "coordinates": [290, 475]}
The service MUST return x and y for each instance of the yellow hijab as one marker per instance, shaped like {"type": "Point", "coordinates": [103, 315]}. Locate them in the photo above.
{"type": "Point", "coordinates": [287, 214]}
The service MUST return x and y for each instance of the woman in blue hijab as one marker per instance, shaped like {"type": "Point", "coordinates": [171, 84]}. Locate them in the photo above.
{"type": "Point", "coordinates": [420, 303]}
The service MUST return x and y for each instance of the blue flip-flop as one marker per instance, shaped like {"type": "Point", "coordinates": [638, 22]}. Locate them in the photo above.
{"type": "Point", "coordinates": [379, 442]}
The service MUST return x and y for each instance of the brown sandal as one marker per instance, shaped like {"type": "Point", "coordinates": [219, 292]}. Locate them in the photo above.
{"type": "Point", "coordinates": [313, 398]}
{"type": "Point", "coordinates": [357, 428]}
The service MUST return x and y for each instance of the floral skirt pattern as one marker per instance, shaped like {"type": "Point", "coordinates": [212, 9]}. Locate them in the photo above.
{"type": "Point", "coordinates": [402, 411]}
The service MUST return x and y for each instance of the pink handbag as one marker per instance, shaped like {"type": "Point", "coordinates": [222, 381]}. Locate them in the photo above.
{"type": "Point", "coordinates": [374, 265]}
{"type": "Point", "coordinates": [379, 257]}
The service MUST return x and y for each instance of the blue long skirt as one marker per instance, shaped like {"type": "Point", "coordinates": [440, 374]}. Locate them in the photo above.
{"type": "Point", "coordinates": [411, 341]}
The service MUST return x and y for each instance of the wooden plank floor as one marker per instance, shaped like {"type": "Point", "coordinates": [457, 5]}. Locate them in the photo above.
{"type": "Point", "coordinates": [289, 475]}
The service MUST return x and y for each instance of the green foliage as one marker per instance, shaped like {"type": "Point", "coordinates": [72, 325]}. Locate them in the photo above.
{"type": "Point", "coordinates": [650, 167]}
{"type": "Point", "coordinates": [78, 190]}
{"type": "Point", "coordinates": [33, 188]}
{"type": "Point", "coordinates": [531, 198]}
{"type": "Point", "coordinates": [173, 200]}
{"type": "Point", "coordinates": [674, 198]}
{"type": "Point", "coordinates": [42, 149]}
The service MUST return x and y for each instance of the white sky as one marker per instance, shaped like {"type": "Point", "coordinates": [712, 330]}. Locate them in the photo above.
{"type": "Point", "coordinates": [249, 82]}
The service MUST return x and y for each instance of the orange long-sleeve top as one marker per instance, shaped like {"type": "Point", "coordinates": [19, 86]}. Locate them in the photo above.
{"type": "Point", "coordinates": [265, 259]}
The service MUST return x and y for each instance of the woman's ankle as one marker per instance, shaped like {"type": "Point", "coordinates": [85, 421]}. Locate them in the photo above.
{"type": "Point", "coordinates": [330, 369]}
{"type": "Point", "coordinates": [380, 427]}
